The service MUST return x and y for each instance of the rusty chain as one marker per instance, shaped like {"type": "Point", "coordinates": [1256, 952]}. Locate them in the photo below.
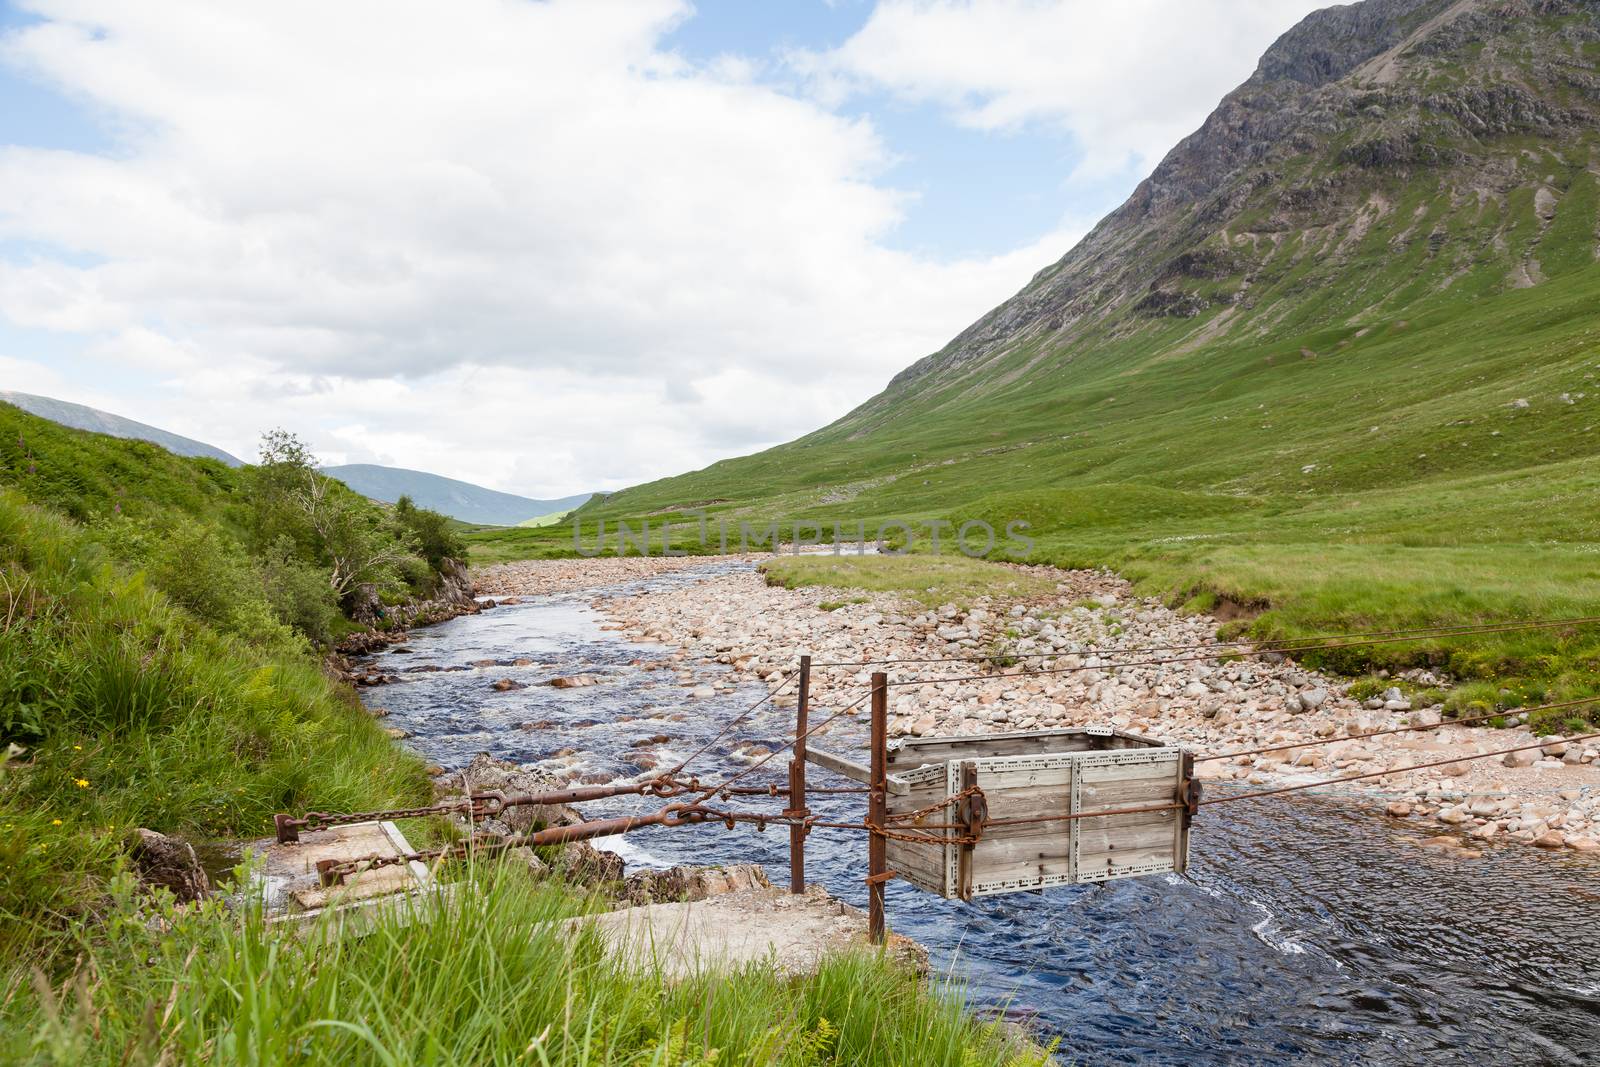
{"type": "Point", "coordinates": [490, 803]}
{"type": "Point", "coordinates": [953, 798]}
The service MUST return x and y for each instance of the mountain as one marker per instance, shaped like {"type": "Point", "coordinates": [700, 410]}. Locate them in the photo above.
{"type": "Point", "coordinates": [80, 417]}
{"type": "Point", "coordinates": [459, 500]}
{"type": "Point", "coordinates": [1336, 356]}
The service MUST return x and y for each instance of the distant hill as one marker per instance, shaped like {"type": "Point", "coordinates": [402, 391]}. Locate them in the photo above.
{"type": "Point", "coordinates": [459, 500]}
{"type": "Point", "coordinates": [79, 417]}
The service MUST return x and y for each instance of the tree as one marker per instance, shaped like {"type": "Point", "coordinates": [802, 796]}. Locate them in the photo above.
{"type": "Point", "coordinates": [355, 541]}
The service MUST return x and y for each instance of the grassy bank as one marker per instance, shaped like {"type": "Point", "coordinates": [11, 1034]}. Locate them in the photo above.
{"type": "Point", "coordinates": [128, 711]}
{"type": "Point", "coordinates": [491, 978]}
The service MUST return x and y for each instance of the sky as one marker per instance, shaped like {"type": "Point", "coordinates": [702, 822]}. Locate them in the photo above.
{"type": "Point", "coordinates": [557, 246]}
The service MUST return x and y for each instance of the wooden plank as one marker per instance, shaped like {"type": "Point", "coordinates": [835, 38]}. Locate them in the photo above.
{"type": "Point", "coordinates": [1041, 868]}
{"type": "Point", "coordinates": [1128, 864]}
{"type": "Point", "coordinates": [858, 772]}
{"type": "Point", "coordinates": [917, 751]}
{"type": "Point", "coordinates": [921, 865]}
{"type": "Point", "coordinates": [1095, 844]}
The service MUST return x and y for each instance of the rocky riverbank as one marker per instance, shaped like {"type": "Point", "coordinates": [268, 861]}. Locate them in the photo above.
{"type": "Point", "coordinates": [1549, 797]}
{"type": "Point", "coordinates": [387, 626]}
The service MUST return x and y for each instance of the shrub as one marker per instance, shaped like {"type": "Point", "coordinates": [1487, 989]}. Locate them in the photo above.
{"type": "Point", "coordinates": [298, 592]}
{"type": "Point", "coordinates": [213, 580]}
{"type": "Point", "coordinates": [431, 532]}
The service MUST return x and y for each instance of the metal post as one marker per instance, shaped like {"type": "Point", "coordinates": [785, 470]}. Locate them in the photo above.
{"type": "Point", "coordinates": [797, 782]}
{"type": "Point", "coordinates": [878, 810]}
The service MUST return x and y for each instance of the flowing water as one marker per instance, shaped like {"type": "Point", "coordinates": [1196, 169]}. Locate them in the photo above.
{"type": "Point", "coordinates": [1306, 931]}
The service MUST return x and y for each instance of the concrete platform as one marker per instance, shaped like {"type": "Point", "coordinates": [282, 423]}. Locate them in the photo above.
{"type": "Point", "coordinates": [293, 892]}
{"type": "Point", "coordinates": [792, 933]}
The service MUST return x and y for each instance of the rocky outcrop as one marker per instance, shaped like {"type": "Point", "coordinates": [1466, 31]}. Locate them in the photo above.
{"type": "Point", "coordinates": [487, 774]}
{"type": "Point", "coordinates": [168, 863]}
{"type": "Point", "coordinates": [387, 625]}
{"type": "Point", "coordinates": [691, 883]}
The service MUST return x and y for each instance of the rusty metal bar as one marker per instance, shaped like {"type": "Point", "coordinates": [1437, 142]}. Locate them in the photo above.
{"type": "Point", "coordinates": [878, 808]}
{"type": "Point", "coordinates": [482, 805]}
{"type": "Point", "coordinates": [797, 782]}
{"type": "Point", "coordinates": [334, 872]}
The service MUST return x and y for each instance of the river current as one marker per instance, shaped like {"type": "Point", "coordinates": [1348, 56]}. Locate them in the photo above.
{"type": "Point", "coordinates": [1306, 931]}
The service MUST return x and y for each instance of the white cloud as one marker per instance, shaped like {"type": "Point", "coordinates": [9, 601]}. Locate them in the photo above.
{"type": "Point", "coordinates": [517, 242]}
{"type": "Point", "coordinates": [1128, 79]}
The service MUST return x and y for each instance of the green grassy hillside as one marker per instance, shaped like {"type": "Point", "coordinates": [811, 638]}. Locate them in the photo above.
{"type": "Point", "coordinates": [1337, 361]}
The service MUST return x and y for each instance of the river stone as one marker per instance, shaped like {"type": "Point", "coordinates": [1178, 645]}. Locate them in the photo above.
{"type": "Point", "coordinates": [582, 864]}
{"type": "Point", "coordinates": [1312, 699]}
{"type": "Point", "coordinates": [487, 774]}
{"type": "Point", "coordinates": [1518, 759]}
{"type": "Point", "coordinates": [1426, 717]}
{"type": "Point", "coordinates": [574, 681]}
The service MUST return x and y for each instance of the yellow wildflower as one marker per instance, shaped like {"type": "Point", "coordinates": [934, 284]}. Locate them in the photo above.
{"type": "Point", "coordinates": [55, 822]}
{"type": "Point", "coordinates": [81, 783]}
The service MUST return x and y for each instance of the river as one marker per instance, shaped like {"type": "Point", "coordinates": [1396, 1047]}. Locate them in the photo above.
{"type": "Point", "coordinates": [1306, 932]}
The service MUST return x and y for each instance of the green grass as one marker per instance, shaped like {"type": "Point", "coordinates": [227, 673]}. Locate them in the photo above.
{"type": "Point", "coordinates": [552, 518]}
{"type": "Point", "coordinates": [490, 978]}
{"type": "Point", "coordinates": [131, 712]}
{"type": "Point", "coordinates": [929, 580]}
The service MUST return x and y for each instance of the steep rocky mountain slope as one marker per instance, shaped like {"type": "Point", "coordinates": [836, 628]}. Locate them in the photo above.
{"type": "Point", "coordinates": [1386, 156]}
{"type": "Point", "coordinates": [1339, 353]}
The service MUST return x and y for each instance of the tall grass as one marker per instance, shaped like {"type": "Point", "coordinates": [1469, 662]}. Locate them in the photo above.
{"type": "Point", "coordinates": [491, 977]}
{"type": "Point", "coordinates": [132, 712]}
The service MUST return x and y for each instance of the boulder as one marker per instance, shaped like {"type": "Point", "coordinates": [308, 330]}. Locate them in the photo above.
{"type": "Point", "coordinates": [574, 681]}
{"type": "Point", "coordinates": [582, 864]}
{"type": "Point", "coordinates": [487, 774]}
{"type": "Point", "coordinates": [506, 685]}
{"type": "Point", "coordinates": [691, 883]}
{"type": "Point", "coordinates": [1518, 759]}
{"type": "Point", "coordinates": [1426, 717]}
{"type": "Point", "coordinates": [170, 863]}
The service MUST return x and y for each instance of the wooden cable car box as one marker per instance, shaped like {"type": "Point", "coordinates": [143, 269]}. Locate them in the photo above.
{"type": "Point", "coordinates": [1042, 775]}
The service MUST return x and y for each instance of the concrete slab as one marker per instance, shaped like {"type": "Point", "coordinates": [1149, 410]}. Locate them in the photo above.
{"type": "Point", "coordinates": [792, 933]}
{"type": "Point", "coordinates": [288, 872]}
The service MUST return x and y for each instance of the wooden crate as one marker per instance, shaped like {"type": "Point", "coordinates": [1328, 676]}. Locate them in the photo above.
{"type": "Point", "coordinates": [1040, 774]}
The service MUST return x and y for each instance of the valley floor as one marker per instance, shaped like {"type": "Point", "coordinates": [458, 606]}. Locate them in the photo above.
{"type": "Point", "coordinates": [1096, 627]}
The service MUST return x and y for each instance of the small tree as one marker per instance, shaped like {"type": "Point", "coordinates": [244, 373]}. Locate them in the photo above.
{"type": "Point", "coordinates": [355, 541]}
